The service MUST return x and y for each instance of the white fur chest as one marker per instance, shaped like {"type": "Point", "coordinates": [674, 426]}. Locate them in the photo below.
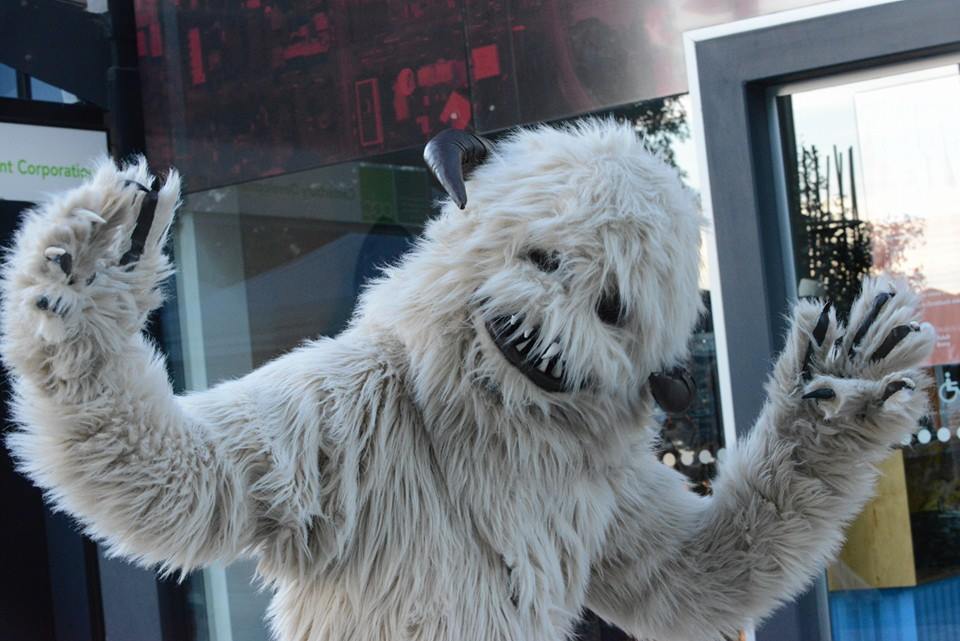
{"type": "Point", "coordinates": [459, 535]}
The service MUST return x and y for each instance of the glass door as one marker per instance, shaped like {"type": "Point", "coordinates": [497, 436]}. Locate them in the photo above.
{"type": "Point", "coordinates": [872, 166]}
{"type": "Point", "coordinates": [830, 150]}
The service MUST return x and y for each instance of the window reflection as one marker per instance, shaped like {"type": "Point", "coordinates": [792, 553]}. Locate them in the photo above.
{"type": "Point", "coordinates": [874, 178]}
{"type": "Point", "coordinates": [40, 90]}
{"type": "Point", "coordinates": [267, 264]}
{"type": "Point", "coordinates": [8, 82]}
{"type": "Point", "coordinates": [264, 266]}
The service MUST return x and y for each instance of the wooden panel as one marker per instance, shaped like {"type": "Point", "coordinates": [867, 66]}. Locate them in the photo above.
{"type": "Point", "coordinates": [879, 548]}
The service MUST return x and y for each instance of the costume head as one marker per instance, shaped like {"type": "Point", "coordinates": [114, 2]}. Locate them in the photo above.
{"type": "Point", "coordinates": [567, 267]}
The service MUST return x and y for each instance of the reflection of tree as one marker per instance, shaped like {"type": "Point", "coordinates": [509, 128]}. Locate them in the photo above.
{"type": "Point", "coordinates": [700, 428]}
{"type": "Point", "coordinates": [833, 247]}
{"type": "Point", "coordinates": [891, 241]}
{"type": "Point", "coordinates": [662, 123]}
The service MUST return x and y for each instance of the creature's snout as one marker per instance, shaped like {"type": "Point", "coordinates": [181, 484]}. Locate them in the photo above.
{"type": "Point", "coordinates": [673, 390]}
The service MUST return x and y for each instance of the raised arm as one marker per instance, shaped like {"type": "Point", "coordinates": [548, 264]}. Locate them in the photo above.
{"type": "Point", "coordinates": [177, 481]}
{"type": "Point", "coordinates": [681, 567]}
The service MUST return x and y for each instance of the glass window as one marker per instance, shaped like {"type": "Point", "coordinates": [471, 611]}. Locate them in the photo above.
{"type": "Point", "coordinates": [875, 188]}
{"type": "Point", "coordinates": [264, 266]}
{"type": "Point", "coordinates": [8, 82]}
{"type": "Point", "coordinates": [267, 264]}
{"type": "Point", "coordinates": [358, 79]}
{"type": "Point", "coordinates": [39, 90]}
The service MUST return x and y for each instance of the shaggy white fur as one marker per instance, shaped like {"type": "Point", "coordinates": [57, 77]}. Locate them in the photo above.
{"type": "Point", "coordinates": [404, 481]}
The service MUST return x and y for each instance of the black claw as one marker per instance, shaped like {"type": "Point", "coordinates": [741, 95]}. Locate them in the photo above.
{"type": "Point", "coordinates": [822, 394]}
{"type": "Point", "coordinates": [66, 263]}
{"type": "Point", "coordinates": [140, 186]}
{"type": "Point", "coordinates": [43, 303]}
{"type": "Point", "coordinates": [878, 304]}
{"type": "Point", "coordinates": [144, 222]}
{"type": "Point", "coordinates": [894, 387]}
{"type": "Point", "coordinates": [819, 334]}
{"type": "Point", "coordinates": [56, 306]}
{"type": "Point", "coordinates": [807, 358]}
{"type": "Point", "coordinates": [896, 335]}
{"type": "Point", "coordinates": [820, 331]}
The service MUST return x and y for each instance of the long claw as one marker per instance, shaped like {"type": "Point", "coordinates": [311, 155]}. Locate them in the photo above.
{"type": "Point", "coordinates": [807, 358]}
{"type": "Point", "coordinates": [138, 238]}
{"type": "Point", "coordinates": [53, 253]}
{"type": "Point", "coordinates": [895, 386]}
{"type": "Point", "coordinates": [139, 185]}
{"type": "Point", "coordinates": [896, 335]}
{"type": "Point", "coordinates": [820, 331]}
{"type": "Point", "coordinates": [878, 304]}
{"type": "Point", "coordinates": [91, 216]}
{"type": "Point", "coordinates": [822, 394]}
{"type": "Point", "coordinates": [819, 334]}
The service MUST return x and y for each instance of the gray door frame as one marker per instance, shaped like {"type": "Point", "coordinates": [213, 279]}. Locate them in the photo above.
{"type": "Point", "coordinates": [733, 70]}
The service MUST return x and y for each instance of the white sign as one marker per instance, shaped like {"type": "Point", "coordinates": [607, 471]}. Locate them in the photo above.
{"type": "Point", "coordinates": [36, 161]}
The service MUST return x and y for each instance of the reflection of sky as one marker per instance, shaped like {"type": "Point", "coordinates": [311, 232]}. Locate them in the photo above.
{"type": "Point", "coordinates": [906, 138]}
{"type": "Point", "coordinates": [309, 297]}
{"type": "Point", "coordinates": [315, 294]}
{"type": "Point", "coordinates": [685, 154]}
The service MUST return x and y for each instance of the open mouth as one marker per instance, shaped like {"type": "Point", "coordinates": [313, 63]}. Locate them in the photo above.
{"type": "Point", "coordinates": [543, 368]}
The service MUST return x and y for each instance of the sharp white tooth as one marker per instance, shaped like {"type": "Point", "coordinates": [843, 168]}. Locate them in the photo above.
{"type": "Point", "coordinates": [54, 252]}
{"type": "Point", "coordinates": [513, 320]}
{"type": "Point", "coordinates": [543, 365]}
{"type": "Point", "coordinates": [552, 350]}
{"type": "Point", "coordinates": [557, 370]}
{"type": "Point", "coordinates": [522, 345]}
{"type": "Point", "coordinates": [89, 215]}
{"type": "Point", "coordinates": [527, 332]}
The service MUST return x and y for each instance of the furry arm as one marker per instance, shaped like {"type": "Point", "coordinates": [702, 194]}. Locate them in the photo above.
{"type": "Point", "coordinates": [680, 567]}
{"type": "Point", "coordinates": [179, 481]}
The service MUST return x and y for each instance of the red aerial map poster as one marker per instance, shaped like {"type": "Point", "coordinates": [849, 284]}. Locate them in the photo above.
{"type": "Point", "coordinates": [250, 88]}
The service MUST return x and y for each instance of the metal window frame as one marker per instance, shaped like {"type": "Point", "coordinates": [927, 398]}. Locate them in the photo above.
{"type": "Point", "coordinates": [733, 71]}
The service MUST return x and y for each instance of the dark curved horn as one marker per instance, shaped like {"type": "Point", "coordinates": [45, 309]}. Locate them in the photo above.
{"type": "Point", "coordinates": [673, 390]}
{"type": "Point", "coordinates": [450, 155]}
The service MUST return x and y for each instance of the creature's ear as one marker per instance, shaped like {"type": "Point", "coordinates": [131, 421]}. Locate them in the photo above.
{"type": "Point", "coordinates": [673, 390]}
{"type": "Point", "coordinates": [450, 155]}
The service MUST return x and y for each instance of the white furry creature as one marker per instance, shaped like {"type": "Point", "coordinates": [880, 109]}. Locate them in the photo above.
{"type": "Point", "coordinates": [472, 459]}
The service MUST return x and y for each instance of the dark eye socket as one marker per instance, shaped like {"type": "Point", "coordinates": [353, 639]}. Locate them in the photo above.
{"type": "Point", "coordinates": [545, 261]}
{"type": "Point", "coordinates": [609, 308]}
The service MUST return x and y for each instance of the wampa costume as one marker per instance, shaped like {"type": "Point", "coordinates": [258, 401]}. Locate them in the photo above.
{"type": "Point", "coordinates": [472, 459]}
